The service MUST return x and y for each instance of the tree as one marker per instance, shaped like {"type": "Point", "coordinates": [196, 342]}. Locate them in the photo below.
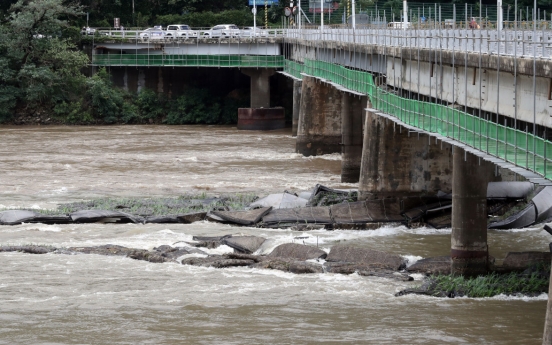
{"type": "Point", "coordinates": [38, 67]}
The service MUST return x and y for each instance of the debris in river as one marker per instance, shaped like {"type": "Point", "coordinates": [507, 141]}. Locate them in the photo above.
{"type": "Point", "coordinates": [510, 205]}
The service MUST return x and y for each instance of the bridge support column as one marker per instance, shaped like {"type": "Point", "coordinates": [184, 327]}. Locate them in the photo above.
{"type": "Point", "coordinates": [319, 125]}
{"type": "Point", "coordinates": [352, 116]}
{"type": "Point", "coordinates": [260, 86]}
{"type": "Point", "coordinates": [296, 105]}
{"type": "Point", "coordinates": [401, 165]}
{"type": "Point", "coordinates": [547, 337]}
{"type": "Point", "coordinates": [470, 177]}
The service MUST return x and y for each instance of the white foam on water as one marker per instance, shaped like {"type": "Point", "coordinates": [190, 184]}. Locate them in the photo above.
{"type": "Point", "coordinates": [166, 231]}
{"type": "Point", "coordinates": [528, 229]}
{"type": "Point", "coordinates": [417, 276]}
{"type": "Point", "coordinates": [542, 297]}
{"type": "Point", "coordinates": [411, 259]}
{"type": "Point", "coordinates": [317, 261]}
{"type": "Point", "coordinates": [44, 227]}
{"type": "Point", "coordinates": [220, 250]}
{"type": "Point", "coordinates": [426, 231]}
{"type": "Point", "coordinates": [329, 157]}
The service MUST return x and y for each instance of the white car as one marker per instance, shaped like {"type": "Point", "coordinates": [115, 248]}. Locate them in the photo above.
{"type": "Point", "coordinates": [223, 30]}
{"type": "Point", "coordinates": [251, 31]}
{"type": "Point", "coordinates": [88, 31]}
{"type": "Point", "coordinates": [152, 34]}
{"type": "Point", "coordinates": [180, 31]}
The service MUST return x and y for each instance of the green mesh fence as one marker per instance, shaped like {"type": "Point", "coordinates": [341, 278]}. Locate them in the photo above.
{"type": "Point", "coordinates": [276, 61]}
{"type": "Point", "coordinates": [520, 148]}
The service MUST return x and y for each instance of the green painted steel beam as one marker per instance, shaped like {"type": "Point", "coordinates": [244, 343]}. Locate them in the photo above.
{"type": "Point", "coordinates": [262, 61]}
{"type": "Point", "coordinates": [520, 148]}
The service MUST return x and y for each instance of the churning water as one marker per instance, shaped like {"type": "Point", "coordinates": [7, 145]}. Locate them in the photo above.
{"type": "Point", "coordinates": [93, 299]}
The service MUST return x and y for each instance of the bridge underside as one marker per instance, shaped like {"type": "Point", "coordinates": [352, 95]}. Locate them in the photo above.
{"type": "Point", "coordinates": [200, 54]}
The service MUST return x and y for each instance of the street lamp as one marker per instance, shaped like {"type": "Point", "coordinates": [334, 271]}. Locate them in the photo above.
{"type": "Point", "coordinates": [254, 10]}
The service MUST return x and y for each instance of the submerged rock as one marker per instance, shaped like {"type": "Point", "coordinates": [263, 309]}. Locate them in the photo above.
{"type": "Point", "coordinates": [520, 261]}
{"type": "Point", "coordinates": [428, 266]}
{"type": "Point", "coordinates": [28, 249]}
{"type": "Point", "coordinates": [217, 261]}
{"type": "Point", "coordinates": [365, 256]}
{"type": "Point", "coordinates": [298, 252]}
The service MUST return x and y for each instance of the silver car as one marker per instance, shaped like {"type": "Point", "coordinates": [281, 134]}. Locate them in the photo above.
{"type": "Point", "coordinates": [153, 34]}
{"type": "Point", "coordinates": [180, 31]}
{"type": "Point", "coordinates": [222, 30]}
{"type": "Point", "coordinates": [251, 31]}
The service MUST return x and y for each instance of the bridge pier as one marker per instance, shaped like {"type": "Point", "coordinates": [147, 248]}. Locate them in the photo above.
{"type": "Point", "coordinates": [296, 105]}
{"type": "Point", "coordinates": [319, 124]}
{"type": "Point", "coordinates": [468, 248]}
{"type": "Point", "coordinates": [260, 86]}
{"type": "Point", "coordinates": [352, 116]}
{"type": "Point", "coordinates": [401, 165]}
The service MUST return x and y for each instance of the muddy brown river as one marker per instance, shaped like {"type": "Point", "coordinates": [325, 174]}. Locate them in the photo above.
{"type": "Point", "coordinates": [93, 299]}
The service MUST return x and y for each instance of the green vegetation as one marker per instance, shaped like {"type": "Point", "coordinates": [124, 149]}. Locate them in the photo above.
{"type": "Point", "coordinates": [41, 73]}
{"type": "Point", "coordinates": [159, 206]}
{"type": "Point", "coordinates": [530, 282]}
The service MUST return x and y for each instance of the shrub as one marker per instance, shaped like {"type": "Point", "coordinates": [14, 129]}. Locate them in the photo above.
{"type": "Point", "coordinates": [150, 105]}
{"type": "Point", "coordinates": [105, 100]}
{"type": "Point", "coordinates": [195, 106]}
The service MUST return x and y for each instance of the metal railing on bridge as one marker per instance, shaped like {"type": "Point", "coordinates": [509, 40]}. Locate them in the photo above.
{"type": "Point", "coordinates": [183, 60]}
{"type": "Point", "coordinates": [521, 148]}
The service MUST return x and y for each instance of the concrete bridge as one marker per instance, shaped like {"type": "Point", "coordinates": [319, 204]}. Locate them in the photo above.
{"type": "Point", "coordinates": [414, 112]}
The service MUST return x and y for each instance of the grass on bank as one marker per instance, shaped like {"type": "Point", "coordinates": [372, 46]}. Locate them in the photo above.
{"type": "Point", "coordinates": [530, 282]}
{"type": "Point", "coordinates": [184, 204]}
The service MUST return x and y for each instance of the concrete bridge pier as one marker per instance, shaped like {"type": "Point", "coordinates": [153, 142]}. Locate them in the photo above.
{"type": "Point", "coordinates": [260, 86]}
{"type": "Point", "coordinates": [402, 165]}
{"type": "Point", "coordinates": [260, 116]}
{"type": "Point", "coordinates": [469, 250]}
{"type": "Point", "coordinates": [352, 116]}
{"type": "Point", "coordinates": [296, 105]}
{"type": "Point", "coordinates": [319, 124]}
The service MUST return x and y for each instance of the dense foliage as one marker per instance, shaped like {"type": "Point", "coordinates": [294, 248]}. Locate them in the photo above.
{"type": "Point", "coordinates": [41, 71]}
{"type": "Point", "coordinates": [41, 65]}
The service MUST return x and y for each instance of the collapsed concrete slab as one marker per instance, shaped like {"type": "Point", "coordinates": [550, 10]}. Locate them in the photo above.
{"type": "Point", "coordinates": [278, 201]}
{"type": "Point", "coordinates": [289, 217]}
{"type": "Point", "coordinates": [523, 218]}
{"type": "Point", "coordinates": [104, 216]}
{"type": "Point", "coordinates": [325, 196]}
{"type": "Point", "coordinates": [249, 217]}
{"type": "Point", "coordinates": [12, 217]}
{"type": "Point", "coordinates": [244, 244]}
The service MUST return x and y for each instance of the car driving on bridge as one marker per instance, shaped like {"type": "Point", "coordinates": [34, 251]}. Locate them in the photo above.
{"type": "Point", "coordinates": [222, 30]}
{"type": "Point", "coordinates": [251, 31]}
{"type": "Point", "coordinates": [175, 31]}
{"type": "Point", "coordinates": [153, 34]}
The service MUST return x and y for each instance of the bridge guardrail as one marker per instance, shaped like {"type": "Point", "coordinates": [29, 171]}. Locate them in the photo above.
{"type": "Point", "coordinates": [518, 147]}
